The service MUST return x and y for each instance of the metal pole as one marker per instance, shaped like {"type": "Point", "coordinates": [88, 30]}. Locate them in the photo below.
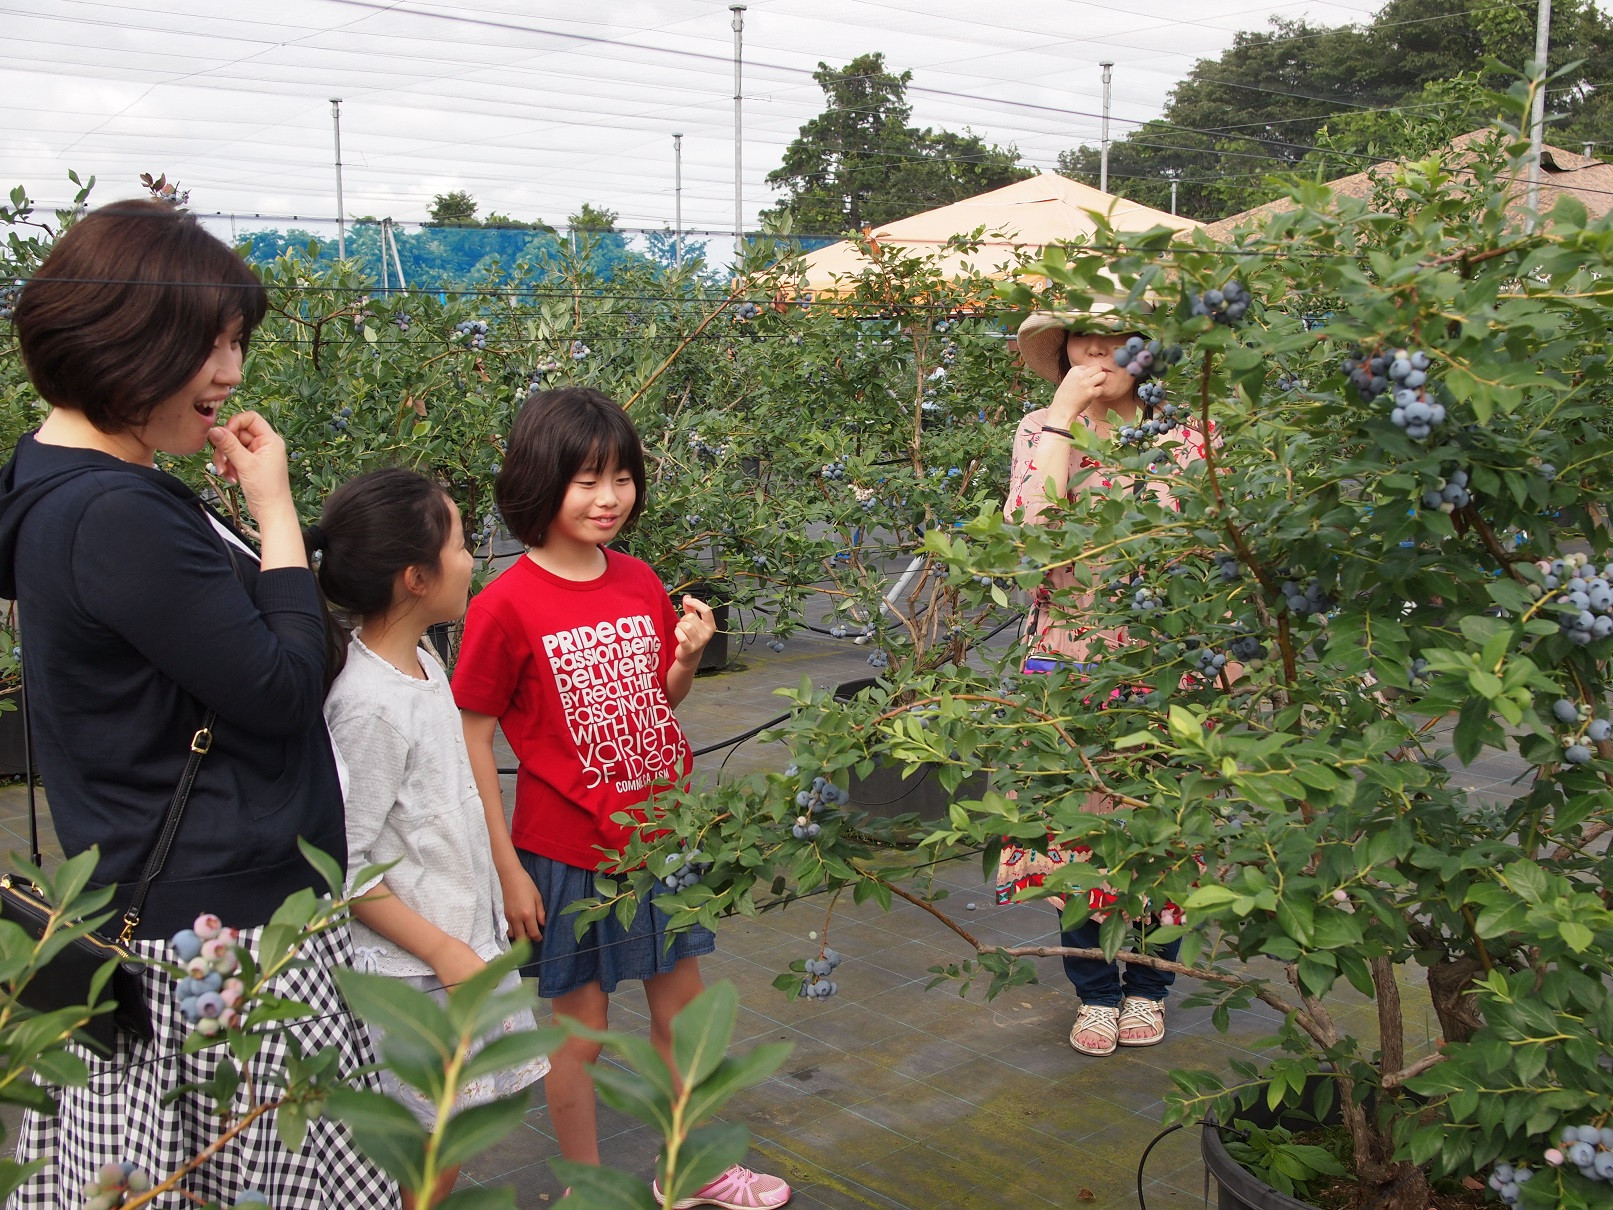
{"type": "Point", "coordinates": [385, 287]}
{"type": "Point", "coordinates": [739, 144]}
{"type": "Point", "coordinates": [397, 261]}
{"type": "Point", "coordinates": [341, 221]}
{"type": "Point", "coordinates": [677, 192]}
{"type": "Point", "coordinates": [1103, 145]}
{"type": "Point", "coordinates": [1537, 118]}
{"type": "Point", "coordinates": [1173, 193]}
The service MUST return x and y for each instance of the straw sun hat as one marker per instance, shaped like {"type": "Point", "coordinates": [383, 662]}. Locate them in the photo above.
{"type": "Point", "coordinates": [1041, 337]}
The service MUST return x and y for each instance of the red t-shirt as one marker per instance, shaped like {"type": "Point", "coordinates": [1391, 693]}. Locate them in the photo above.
{"type": "Point", "coordinates": [575, 672]}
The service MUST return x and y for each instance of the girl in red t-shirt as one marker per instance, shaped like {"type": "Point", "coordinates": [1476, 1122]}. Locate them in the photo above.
{"type": "Point", "coordinates": [577, 652]}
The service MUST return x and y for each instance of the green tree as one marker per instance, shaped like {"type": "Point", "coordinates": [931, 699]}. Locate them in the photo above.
{"type": "Point", "coordinates": [859, 163]}
{"type": "Point", "coordinates": [1277, 98]}
{"type": "Point", "coordinates": [593, 218]}
{"type": "Point", "coordinates": [454, 209]}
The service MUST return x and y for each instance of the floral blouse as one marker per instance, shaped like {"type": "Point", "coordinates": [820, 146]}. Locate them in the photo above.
{"type": "Point", "coordinates": [1053, 629]}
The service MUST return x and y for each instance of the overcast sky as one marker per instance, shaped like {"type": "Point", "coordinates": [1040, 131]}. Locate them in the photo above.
{"type": "Point", "coordinates": [533, 108]}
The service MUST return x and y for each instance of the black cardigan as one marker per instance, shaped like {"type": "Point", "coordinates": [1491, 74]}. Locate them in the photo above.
{"type": "Point", "coordinates": [133, 624]}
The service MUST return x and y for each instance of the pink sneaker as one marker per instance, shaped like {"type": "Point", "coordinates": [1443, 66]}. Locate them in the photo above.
{"type": "Point", "coordinates": [737, 1189]}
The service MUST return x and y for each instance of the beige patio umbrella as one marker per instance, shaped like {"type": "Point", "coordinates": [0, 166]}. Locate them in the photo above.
{"type": "Point", "coordinates": [1025, 216]}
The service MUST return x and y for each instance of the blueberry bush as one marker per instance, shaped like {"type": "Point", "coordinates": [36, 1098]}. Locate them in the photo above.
{"type": "Point", "coordinates": [1397, 553]}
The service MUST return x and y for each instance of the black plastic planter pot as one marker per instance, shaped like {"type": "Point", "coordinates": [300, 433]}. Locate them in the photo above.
{"type": "Point", "coordinates": [886, 792]}
{"type": "Point", "coordinates": [1238, 1188]}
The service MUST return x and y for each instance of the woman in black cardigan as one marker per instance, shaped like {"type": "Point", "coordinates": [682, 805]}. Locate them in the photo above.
{"type": "Point", "coordinates": [141, 611]}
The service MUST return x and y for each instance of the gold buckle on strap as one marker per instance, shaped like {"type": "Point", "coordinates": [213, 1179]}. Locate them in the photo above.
{"type": "Point", "coordinates": [201, 741]}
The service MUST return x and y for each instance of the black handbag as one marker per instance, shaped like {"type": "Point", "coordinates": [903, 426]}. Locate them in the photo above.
{"type": "Point", "coordinates": [66, 980]}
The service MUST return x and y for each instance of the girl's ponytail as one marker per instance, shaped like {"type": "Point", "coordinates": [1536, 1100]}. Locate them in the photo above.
{"type": "Point", "coordinates": [373, 527]}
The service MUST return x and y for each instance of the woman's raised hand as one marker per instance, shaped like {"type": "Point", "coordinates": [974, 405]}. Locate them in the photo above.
{"type": "Point", "coordinates": [247, 451]}
{"type": "Point", "coordinates": [1081, 388]}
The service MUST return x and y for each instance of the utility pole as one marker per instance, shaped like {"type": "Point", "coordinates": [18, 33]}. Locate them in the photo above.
{"type": "Point", "coordinates": [739, 144]}
{"type": "Point", "coordinates": [1537, 117]}
{"type": "Point", "coordinates": [386, 287]}
{"type": "Point", "coordinates": [341, 221]}
{"type": "Point", "coordinates": [677, 192]}
{"type": "Point", "coordinates": [1103, 144]}
{"type": "Point", "coordinates": [1175, 175]}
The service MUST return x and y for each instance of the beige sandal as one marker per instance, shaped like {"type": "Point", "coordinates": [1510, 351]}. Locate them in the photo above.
{"type": "Point", "coordinates": [1096, 1019]}
{"type": "Point", "coordinates": [1138, 1012]}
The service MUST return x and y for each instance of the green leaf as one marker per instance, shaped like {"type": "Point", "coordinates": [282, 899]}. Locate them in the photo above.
{"type": "Point", "coordinates": [326, 866]}
{"type": "Point", "coordinates": [512, 1050]}
{"type": "Point", "coordinates": [397, 1009]}
{"type": "Point", "coordinates": [702, 1031]}
{"type": "Point", "coordinates": [733, 1075]}
{"type": "Point", "coordinates": [626, 1092]}
{"type": "Point", "coordinates": [597, 1188]}
{"type": "Point", "coordinates": [473, 1130]}
{"type": "Point", "coordinates": [706, 1154]}
{"type": "Point", "coordinates": [383, 1129]}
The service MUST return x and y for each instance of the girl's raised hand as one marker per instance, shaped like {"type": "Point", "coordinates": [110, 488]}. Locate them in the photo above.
{"type": "Point", "coordinates": [694, 630]}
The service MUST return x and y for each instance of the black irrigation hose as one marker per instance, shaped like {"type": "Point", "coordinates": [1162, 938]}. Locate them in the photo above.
{"type": "Point", "coordinates": [1142, 1202]}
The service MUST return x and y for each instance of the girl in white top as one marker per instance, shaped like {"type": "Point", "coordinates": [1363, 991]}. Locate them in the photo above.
{"type": "Point", "coordinates": [394, 559]}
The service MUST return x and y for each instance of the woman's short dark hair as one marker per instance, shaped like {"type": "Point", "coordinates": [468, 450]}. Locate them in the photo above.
{"type": "Point", "coordinates": [373, 527]}
{"type": "Point", "coordinates": [125, 310]}
{"type": "Point", "coordinates": [558, 435]}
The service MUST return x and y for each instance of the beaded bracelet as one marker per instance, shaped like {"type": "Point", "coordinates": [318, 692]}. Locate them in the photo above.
{"type": "Point", "coordinates": [1048, 428]}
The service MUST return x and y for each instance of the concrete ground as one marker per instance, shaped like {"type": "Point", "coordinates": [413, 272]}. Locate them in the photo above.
{"type": "Point", "coordinates": [895, 1096]}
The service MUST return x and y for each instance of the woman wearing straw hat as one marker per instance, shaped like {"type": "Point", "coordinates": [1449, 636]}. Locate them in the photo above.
{"type": "Point", "coordinates": [1076, 351]}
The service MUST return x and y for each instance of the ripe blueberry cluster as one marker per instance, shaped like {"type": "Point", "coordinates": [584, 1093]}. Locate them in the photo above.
{"type": "Point", "coordinates": [112, 1183]}
{"type": "Point", "coordinates": [8, 299]}
{"type": "Point", "coordinates": [1207, 662]}
{"type": "Point", "coordinates": [1144, 600]}
{"type": "Point", "coordinates": [1548, 472]}
{"type": "Point", "coordinates": [817, 985]}
{"type": "Point", "coordinates": [579, 350]}
{"type": "Point", "coordinates": [209, 995]}
{"type": "Point", "coordinates": [746, 311]}
{"type": "Point", "coordinates": [338, 422]}
{"type": "Point", "coordinates": [1405, 373]}
{"type": "Point", "coordinates": [1587, 730]}
{"type": "Point", "coordinates": [1588, 1148]}
{"type": "Point", "coordinates": [1170, 416]}
{"type": "Point", "coordinates": [1420, 673]}
{"type": "Point", "coordinates": [775, 644]}
{"type": "Point", "coordinates": [684, 869]}
{"type": "Point", "coordinates": [1227, 566]}
{"type": "Point", "coordinates": [1247, 649]}
{"type": "Point", "coordinates": [840, 631]}
{"type": "Point", "coordinates": [834, 470]}
{"type": "Point", "coordinates": [1289, 382]}
{"type": "Point", "coordinates": [473, 332]}
{"type": "Point", "coordinates": [1451, 494]}
{"type": "Point", "coordinates": [1585, 608]}
{"type": "Point", "coordinates": [1308, 599]}
{"type": "Point", "coordinates": [822, 795]}
{"type": "Point", "coordinates": [878, 660]}
{"type": "Point", "coordinates": [1144, 359]}
{"type": "Point", "coordinates": [1225, 306]}
{"type": "Point", "coordinates": [402, 320]}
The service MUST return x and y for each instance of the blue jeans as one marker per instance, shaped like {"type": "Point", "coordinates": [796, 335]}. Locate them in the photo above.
{"type": "Point", "coordinates": [1101, 983]}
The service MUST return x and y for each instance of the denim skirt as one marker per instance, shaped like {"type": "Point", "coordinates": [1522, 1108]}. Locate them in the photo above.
{"type": "Point", "coordinates": [606, 953]}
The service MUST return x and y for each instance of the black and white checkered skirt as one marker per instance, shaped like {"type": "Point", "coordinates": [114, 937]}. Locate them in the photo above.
{"type": "Point", "coordinates": [121, 1115]}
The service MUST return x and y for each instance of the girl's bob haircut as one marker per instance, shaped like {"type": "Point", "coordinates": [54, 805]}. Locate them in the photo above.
{"type": "Point", "coordinates": [558, 435]}
{"type": "Point", "coordinates": [125, 310]}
